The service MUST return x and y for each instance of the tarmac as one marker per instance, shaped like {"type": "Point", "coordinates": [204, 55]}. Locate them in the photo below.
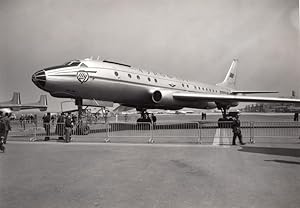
{"type": "Point", "coordinates": [93, 174]}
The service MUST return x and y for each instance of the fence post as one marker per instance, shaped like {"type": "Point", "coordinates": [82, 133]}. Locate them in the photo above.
{"type": "Point", "coordinates": [107, 132]}
{"type": "Point", "coordinates": [252, 132]}
{"type": "Point", "coordinates": [199, 132]}
{"type": "Point", "coordinates": [151, 140]}
{"type": "Point", "coordinates": [33, 139]}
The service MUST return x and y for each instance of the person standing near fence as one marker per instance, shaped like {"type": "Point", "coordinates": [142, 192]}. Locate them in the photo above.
{"type": "Point", "coordinates": [6, 120]}
{"type": "Point", "coordinates": [296, 116]}
{"type": "Point", "coordinates": [68, 128]}
{"type": "Point", "coordinates": [153, 118]}
{"type": "Point", "coordinates": [46, 123]}
{"type": "Point", "coordinates": [2, 132]}
{"type": "Point", "coordinates": [60, 126]}
{"type": "Point", "coordinates": [236, 129]}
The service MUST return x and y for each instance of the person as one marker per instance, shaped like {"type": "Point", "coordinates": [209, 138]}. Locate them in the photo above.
{"type": "Point", "coordinates": [46, 123]}
{"type": "Point", "coordinates": [153, 118]}
{"type": "Point", "coordinates": [68, 128]}
{"type": "Point", "coordinates": [6, 120]}
{"type": "Point", "coordinates": [22, 121]}
{"type": "Point", "coordinates": [203, 116]}
{"type": "Point", "coordinates": [296, 116]}
{"type": "Point", "coordinates": [236, 129]}
{"type": "Point", "coordinates": [2, 132]}
{"type": "Point", "coordinates": [52, 119]}
{"type": "Point", "coordinates": [60, 126]}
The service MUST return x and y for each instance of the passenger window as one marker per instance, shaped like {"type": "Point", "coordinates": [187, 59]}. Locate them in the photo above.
{"type": "Point", "coordinates": [116, 74]}
{"type": "Point", "coordinates": [155, 80]}
{"type": "Point", "coordinates": [138, 77]}
{"type": "Point", "coordinates": [149, 79]}
{"type": "Point", "coordinates": [129, 75]}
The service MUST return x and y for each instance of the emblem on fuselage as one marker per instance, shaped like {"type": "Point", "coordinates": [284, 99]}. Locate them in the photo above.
{"type": "Point", "coordinates": [82, 76]}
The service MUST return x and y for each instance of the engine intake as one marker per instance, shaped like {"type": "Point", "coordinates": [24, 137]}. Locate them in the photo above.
{"type": "Point", "coordinates": [156, 96]}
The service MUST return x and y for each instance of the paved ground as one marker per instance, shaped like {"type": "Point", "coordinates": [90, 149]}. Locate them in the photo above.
{"type": "Point", "coordinates": [79, 174]}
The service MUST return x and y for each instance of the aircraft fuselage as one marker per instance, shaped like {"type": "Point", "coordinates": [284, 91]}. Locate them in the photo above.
{"type": "Point", "coordinates": [109, 81]}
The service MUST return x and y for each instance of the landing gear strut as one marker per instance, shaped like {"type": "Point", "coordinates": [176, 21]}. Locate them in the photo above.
{"type": "Point", "coordinates": [224, 121]}
{"type": "Point", "coordinates": [78, 102]}
{"type": "Point", "coordinates": [144, 116]}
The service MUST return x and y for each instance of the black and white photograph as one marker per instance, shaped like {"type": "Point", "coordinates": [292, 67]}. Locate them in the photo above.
{"type": "Point", "coordinates": [159, 104]}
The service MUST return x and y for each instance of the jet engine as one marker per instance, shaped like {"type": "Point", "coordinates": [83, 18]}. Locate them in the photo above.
{"type": "Point", "coordinates": [163, 97]}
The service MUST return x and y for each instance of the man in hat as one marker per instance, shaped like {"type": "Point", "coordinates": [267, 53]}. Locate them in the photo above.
{"type": "Point", "coordinates": [68, 128]}
{"type": "Point", "coordinates": [236, 129]}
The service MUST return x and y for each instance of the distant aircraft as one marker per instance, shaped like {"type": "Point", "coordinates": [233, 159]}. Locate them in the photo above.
{"type": "Point", "coordinates": [140, 89]}
{"type": "Point", "coordinates": [15, 103]}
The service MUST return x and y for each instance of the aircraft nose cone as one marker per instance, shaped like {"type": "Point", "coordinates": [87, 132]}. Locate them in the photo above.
{"type": "Point", "coordinates": [39, 79]}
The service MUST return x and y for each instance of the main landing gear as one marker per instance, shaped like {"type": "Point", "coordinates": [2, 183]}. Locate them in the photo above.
{"type": "Point", "coordinates": [144, 116]}
{"type": "Point", "coordinates": [225, 121]}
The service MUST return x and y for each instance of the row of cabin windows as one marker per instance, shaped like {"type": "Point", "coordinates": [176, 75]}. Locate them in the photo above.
{"type": "Point", "coordinates": [149, 79]}
{"type": "Point", "coordinates": [200, 88]}
{"type": "Point", "coordinates": [137, 76]}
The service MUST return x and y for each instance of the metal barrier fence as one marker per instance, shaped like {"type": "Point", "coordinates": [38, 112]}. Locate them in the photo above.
{"type": "Point", "coordinates": [200, 132]}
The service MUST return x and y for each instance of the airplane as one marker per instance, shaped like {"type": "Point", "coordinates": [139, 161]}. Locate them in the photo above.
{"type": "Point", "coordinates": [136, 88]}
{"type": "Point", "coordinates": [15, 104]}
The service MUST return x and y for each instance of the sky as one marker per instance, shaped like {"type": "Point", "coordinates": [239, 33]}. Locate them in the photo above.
{"type": "Point", "coordinates": [194, 40]}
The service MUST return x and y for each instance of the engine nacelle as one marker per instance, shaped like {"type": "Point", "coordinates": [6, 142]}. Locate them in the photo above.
{"type": "Point", "coordinates": [163, 97]}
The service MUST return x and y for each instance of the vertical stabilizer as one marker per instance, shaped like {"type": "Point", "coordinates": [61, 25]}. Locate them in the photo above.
{"type": "Point", "coordinates": [43, 100]}
{"type": "Point", "coordinates": [230, 79]}
{"type": "Point", "coordinates": [16, 99]}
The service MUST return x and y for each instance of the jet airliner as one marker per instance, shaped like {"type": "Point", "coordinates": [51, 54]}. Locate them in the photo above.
{"type": "Point", "coordinates": [136, 88]}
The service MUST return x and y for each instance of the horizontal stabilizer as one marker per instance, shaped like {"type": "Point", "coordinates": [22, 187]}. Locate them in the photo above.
{"type": "Point", "coordinates": [42, 104]}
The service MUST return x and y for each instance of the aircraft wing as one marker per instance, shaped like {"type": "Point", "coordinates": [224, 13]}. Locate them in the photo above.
{"type": "Point", "coordinates": [122, 108]}
{"type": "Point", "coordinates": [231, 98]}
{"type": "Point", "coordinates": [235, 92]}
{"type": "Point", "coordinates": [96, 103]}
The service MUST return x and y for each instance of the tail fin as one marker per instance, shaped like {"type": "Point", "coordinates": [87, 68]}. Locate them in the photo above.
{"type": "Point", "coordinates": [15, 100]}
{"type": "Point", "coordinates": [43, 100]}
{"type": "Point", "coordinates": [230, 79]}
{"type": "Point", "coordinates": [41, 104]}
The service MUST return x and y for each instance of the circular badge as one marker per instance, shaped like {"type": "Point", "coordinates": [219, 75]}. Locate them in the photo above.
{"type": "Point", "coordinates": [82, 76]}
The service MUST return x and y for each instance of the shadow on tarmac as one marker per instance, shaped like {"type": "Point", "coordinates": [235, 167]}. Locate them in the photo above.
{"type": "Point", "coordinates": [292, 152]}
{"type": "Point", "coordinates": [284, 161]}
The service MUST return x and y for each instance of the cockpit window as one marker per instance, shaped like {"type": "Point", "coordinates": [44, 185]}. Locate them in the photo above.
{"type": "Point", "coordinates": [72, 63]}
{"type": "Point", "coordinates": [83, 65]}
{"type": "Point", "coordinates": [68, 64]}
